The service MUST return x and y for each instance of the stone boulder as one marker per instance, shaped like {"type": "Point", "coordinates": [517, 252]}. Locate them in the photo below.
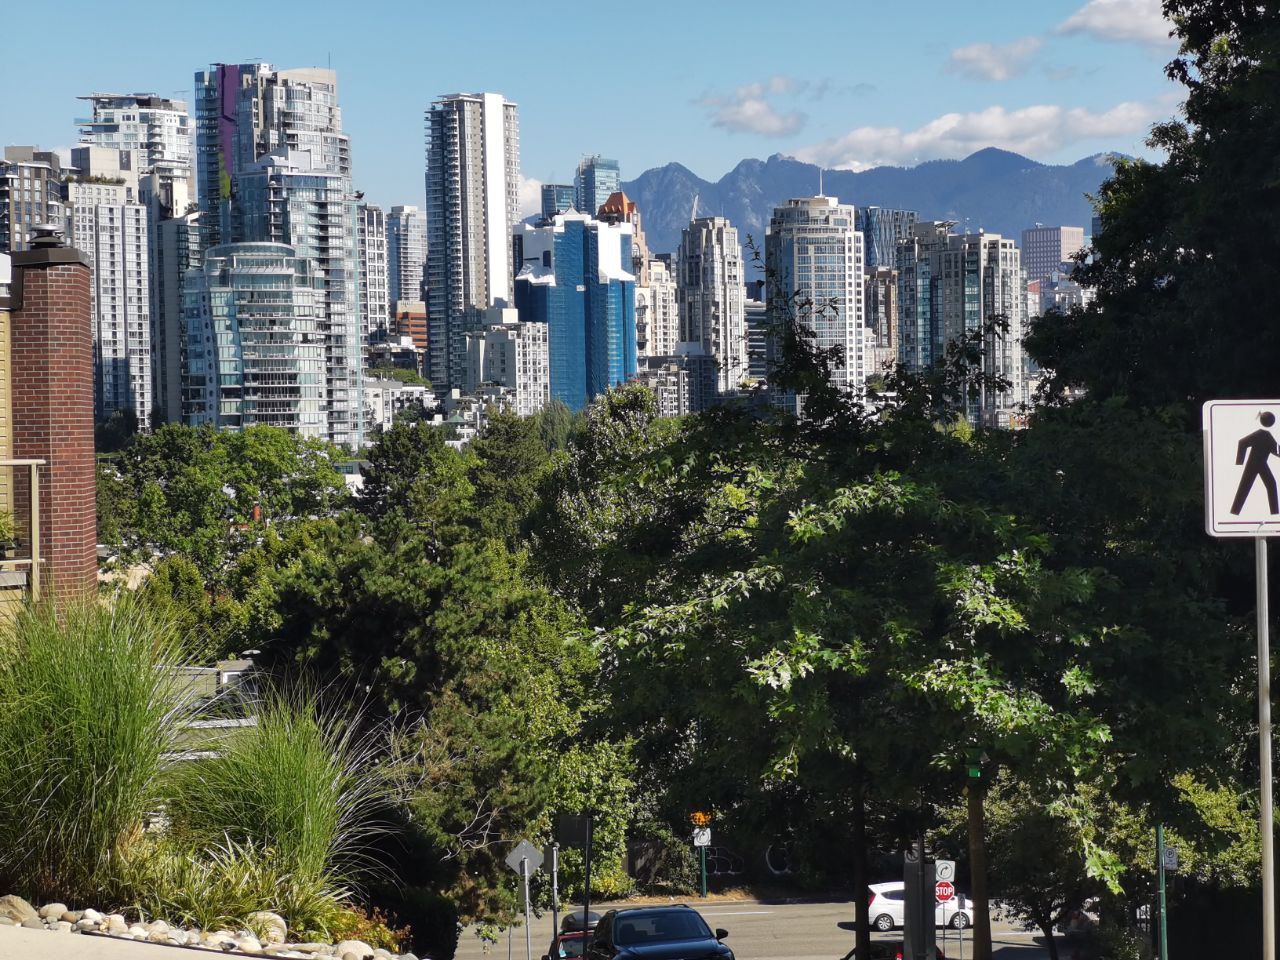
{"type": "Point", "coordinates": [52, 911]}
{"type": "Point", "coordinates": [17, 909]}
{"type": "Point", "coordinates": [270, 926]}
{"type": "Point", "coordinates": [357, 948]}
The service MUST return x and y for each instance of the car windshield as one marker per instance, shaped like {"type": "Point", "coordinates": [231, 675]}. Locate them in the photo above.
{"type": "Point", "coordinates": [657, 927]}
{"type": "Point", "coordinates": [571, 948]}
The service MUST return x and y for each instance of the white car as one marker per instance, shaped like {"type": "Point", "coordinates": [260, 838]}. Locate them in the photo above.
{"type": "Point", "coordinates": [888, 900]}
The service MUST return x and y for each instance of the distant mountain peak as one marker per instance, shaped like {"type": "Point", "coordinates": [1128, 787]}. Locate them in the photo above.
{"type": "Point", "coordinates": [980, 188]}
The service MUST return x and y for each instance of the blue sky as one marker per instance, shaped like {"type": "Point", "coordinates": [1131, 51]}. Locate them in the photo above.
{"type": "Point", "coordinates": [846, 83]}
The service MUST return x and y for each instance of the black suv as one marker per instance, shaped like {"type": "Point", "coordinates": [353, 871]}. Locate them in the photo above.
{"type": "Point", "coordinates": [656, 933]}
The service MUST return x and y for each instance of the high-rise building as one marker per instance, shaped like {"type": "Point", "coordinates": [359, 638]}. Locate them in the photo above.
{"type": "Point", "coordinates": [657, 312]}
{"type": "Point", "coordinates": [151, 134]}
{"type": "Point", "coordinates": [556, 198]}
{"type": "Point", "coordinates": [146, 141]}
{"type": "Point", "coordinates": [953, 286]}
{"type": "Point", "coordinates": [472, 187]}
{"type": "Point", "coordinates": [758, 341]}
{"type": "Point", "coordinates": [256, 353]}
{"type": "Point", "coordinates": [286, 198]}
{"type": "Point", "coordinates": [1046, 249]}
{"type": "Point", "coordinates": [247, 110]}
{"type": "Point", "coordinates": [31, 195]}
{"type": "Point", "coordinates": [175, 249]}
{"type": "Point", "coordinates": [371, 244]}
{"type": "Point", "coordinates": [576, 278]}
{"type": "Point", "coordinates": [814, 255]}
{"type": "Point", "coordinates": [882, 229]}
{"type": "Point", "coordinates": [619, 208]}
{"type": "Point", "coordinates": [883, 322]}
{"type": "Point", "coordinates": [275, 167]}
{"type": "Point", "coordinates": [406, 253]}
{"type": "Point", "coordinates": [595, 180]}
{"type": "Point", "coordinates": [508, 360]}
{"type": "Point", "coordinates": [710, 279]}
{"type": "Point", "coordinates": [112, 230]}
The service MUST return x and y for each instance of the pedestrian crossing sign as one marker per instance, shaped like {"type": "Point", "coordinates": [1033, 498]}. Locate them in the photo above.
{"type": "Point", "coordinates": [1241, 461]}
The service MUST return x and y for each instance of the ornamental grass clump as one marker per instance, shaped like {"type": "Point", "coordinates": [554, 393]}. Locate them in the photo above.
{"type": "Point", "coordinates": [90, 711]}
{"type": "Point", "coordinates": [300, 781]}
{"type": "Point", "coordinates": [225, 885]}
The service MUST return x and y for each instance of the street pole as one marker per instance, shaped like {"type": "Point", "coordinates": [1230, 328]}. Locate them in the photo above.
{"type": "Point", "coordinates": [528, 935]}
{"type": "Point", "coordinates": [1160, 897]}
{"type": "Point", "coordinates": [555, 889]}
{"type": "Point", "coordinates": [703, 857]}
{"type": "Point", "coordinates": [1264, 758]}
{"type": "Point", "coordinates": [586, 881]}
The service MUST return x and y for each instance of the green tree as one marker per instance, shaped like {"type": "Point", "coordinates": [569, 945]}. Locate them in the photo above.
{"type": "Point", "coordinates": [208, 495]}
{"type": "Point", "coordinates": [509, 461]}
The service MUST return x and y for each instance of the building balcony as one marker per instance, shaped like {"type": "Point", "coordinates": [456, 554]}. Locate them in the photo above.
{"type": "Point", "coordinates": [21, 559]}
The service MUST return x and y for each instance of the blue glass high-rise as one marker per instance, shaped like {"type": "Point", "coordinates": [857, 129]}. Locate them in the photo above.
{"type": "Point", "coordinates": [575, 277]}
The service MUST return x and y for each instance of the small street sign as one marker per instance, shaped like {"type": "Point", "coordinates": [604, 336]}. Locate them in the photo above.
{"type": "Point", "coordinates": [524, 850]}
{"type": "Point", "coordinates": [571, 829]}
{"type": "Point", "coordinates": [944, 891]}
{"type": "Point", "coordinates": [1171, 859]}
{"type": "Point", "coordinates": [700, 818]}
{"type": "Point", "coordinates": [1240, 491]}
{"type": "Point", "coordinates": [702, 837]}
{"type": "Point", "coordinates": [944, 869]}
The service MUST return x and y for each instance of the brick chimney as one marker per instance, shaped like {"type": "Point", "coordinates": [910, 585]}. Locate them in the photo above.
{"type": "Point", "coordinates": [51, 350]}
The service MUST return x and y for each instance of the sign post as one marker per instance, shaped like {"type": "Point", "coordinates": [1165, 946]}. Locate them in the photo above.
{"type": "Point", "coordinates": [524, 859]}
{"type": "Point", "coordinates": [555, 888]}
{"type": "Point", "coordinates": [702, 840]}
{"type": "Point", "coordinates": [1242, 500]}
{"type": "Point", "coordinates": [1160, 897]}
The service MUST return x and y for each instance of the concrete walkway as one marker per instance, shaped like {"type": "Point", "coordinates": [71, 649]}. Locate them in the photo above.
{"type": "Point", "coordinates": [19, 944]}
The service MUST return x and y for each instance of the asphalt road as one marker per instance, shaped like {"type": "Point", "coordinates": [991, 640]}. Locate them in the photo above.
{"type": "Point", "coordinates": [777, 931]}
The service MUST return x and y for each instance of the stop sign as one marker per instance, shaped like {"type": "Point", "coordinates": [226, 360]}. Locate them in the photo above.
{"type": "Point", "coordinates": [944, 890]}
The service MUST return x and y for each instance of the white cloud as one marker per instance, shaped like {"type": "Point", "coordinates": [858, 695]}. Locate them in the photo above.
{"type": "Point", "coordinates": [992, 61]}
{"type": "Point", "coordinates": [749, 109]}
{"type": "Point", "coordinates": [1140, 21]}
{"type": "Point", "coordinates": [1031, 131]}
{"type": "Point", "coordinates": [530, 194]}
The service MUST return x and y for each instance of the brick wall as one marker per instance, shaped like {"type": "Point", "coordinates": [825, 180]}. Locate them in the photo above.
{"type": "Point", "coordinates": [51, 345]}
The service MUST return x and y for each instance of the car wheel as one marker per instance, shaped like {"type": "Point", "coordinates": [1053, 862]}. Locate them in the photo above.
{"type": "Point", "coordinates": [960, 921]}
{"type": "Point", "coordinates": [884, 923]}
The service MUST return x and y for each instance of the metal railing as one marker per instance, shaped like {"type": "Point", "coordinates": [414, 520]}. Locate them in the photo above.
{"type": "Point", "coordinates": [26, 530]}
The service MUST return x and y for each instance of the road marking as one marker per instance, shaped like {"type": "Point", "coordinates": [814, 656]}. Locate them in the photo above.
{"type": "Point", "coordinates": [735, 913]}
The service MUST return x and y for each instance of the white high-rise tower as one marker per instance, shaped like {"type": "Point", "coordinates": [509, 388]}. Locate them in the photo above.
{"type": "Point", "coordinates": [709, 273]}
{"type": "Point", "coordinates": [814, 254]}
{"type": "Point", "coordinates": [472, 188]}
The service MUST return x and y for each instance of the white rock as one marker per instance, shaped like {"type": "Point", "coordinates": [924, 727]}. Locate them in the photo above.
{"type": "Point", "coordinates": [63, 926]}
{"type": "Point", "coordinates": [249, 945]}
{"type": "Point", "coordinates": [179, 937]}
{"type": "Point", "coordinates": [270, 925]}
{"type": "Point", "coordinates": [115, 923]}
{"type": "Point", "coordinates": [91, 914]}
{"type": "Point", "coordinates": [83, 924]}
{"type": "Point", "coordinates": [16, 909]}
{"type": "Point", "coordinates": [52, 911]}
{"type": "Point", "coordinates": [360, 949]}
{"type": "Point", "coordinates": [33, 923]}
{"type": "Point", "coordinates": [139, 932]}
{"type": "Point", "coordinates": [158, 926]}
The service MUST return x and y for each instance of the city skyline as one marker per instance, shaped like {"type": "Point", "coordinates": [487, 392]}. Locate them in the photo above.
{"type": "Point", "coordinates": [1056, 82]}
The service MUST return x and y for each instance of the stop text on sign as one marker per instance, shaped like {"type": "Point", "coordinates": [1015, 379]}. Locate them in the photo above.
{"type": "Point", "coordinates": [944, 890]}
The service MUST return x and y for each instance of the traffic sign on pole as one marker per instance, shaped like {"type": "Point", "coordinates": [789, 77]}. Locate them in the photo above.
{"type": "Point", "coordinates": [1241, 495]}
{"type": "Point", "coordinates": [944, 869]}
{"type": "Point", "coordinates": [944, 891]}
{"type": "Point", "coordinates": [524, 850]}
{"type": "Point", "coordinates": [702, 837]}
{"type": "Point", "coordinates": [1242, 500]}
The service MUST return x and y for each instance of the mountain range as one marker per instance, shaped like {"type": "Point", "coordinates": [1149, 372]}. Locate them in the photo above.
{"type": "Point", "coordinates": [994, 190]}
